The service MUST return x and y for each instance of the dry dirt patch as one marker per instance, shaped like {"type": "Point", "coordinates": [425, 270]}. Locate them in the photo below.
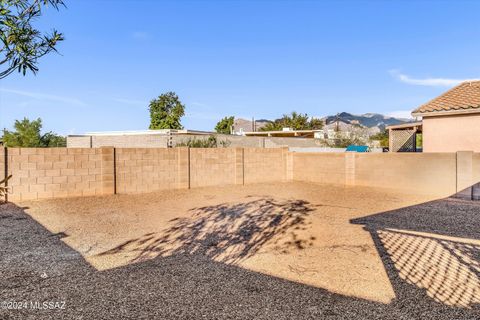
{"type": "Point", "coordinates": [296, 231]}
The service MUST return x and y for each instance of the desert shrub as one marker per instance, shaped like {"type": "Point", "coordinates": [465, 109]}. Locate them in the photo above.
{"type": "Point", "coordinates": [210, 142]}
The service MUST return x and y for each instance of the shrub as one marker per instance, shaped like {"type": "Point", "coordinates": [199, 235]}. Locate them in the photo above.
{"type": "Point", "coordinates": [210, 142]}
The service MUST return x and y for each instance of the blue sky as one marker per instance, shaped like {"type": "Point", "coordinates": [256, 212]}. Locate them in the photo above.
{"type": "Point", "coordinates": [242, 58]}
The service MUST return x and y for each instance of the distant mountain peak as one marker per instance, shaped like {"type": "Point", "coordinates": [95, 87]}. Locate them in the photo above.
{"type": "Point", "coordinates": [368, 120]}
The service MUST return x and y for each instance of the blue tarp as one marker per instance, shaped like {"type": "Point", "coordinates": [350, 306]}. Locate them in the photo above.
{"type": "Point", "coordinates": [353, 148]}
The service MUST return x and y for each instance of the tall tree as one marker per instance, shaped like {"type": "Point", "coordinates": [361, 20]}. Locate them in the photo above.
{"type": "Point", "coordinates": [27, 134]}
{"type": "Point", "coordinates": [225, 125]}
{"type": "Point", "coordinates": [21, 44]}
{"type": "Point", "coordinates": [296, 121]}
{"type": "Point", "coordinates": [166, 112]}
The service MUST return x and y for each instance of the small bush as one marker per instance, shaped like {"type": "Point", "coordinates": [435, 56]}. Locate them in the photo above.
{"type": "Point", "coordinates": [210, 142]}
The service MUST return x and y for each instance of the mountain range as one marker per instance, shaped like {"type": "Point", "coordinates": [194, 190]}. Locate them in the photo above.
{"type": "Point", "coordinates": [368, 120]}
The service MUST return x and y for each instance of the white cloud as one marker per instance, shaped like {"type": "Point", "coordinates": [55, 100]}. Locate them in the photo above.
{"type": "Point", "coordinates": [44, 96]}
{"type": "Point", "coordinates": [140, 35]}
{"type": "Point", "coordinates": [433, 82]}
{"type": "Point", "coordinates": [405, 114]}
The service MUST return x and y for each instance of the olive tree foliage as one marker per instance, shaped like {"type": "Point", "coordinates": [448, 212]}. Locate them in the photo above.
{"type": "Point", "coordinates": [225, 125]}
{"type": "Point", "coordinates": [27, 134]}
{"type": "Point", "coordinates": [382, 137]}
{"type": "Point", "coordinates": [21, 45]}
{"type": "Point", "coordinates": [166, 112]}
{"type": "Point", "coordinates": [342, 141]}
{"type": "Point", "coordinates": [296, 121]}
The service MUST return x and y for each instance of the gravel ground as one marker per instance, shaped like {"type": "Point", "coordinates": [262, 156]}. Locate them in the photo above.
{"type": "Point", "coordinates": [177, 268]}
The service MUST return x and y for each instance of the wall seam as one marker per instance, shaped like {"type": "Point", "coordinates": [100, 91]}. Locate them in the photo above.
{"type": "Point", "coordinates": [189, 164]}
{"type": "Point", "coordinates": [5, 162]}
{"type": "Point", "coordinates": [114, 170]}
{"type": "Point", "coordinates": [456, 172]}
{"type": "Point", "coordinates": [243, 166]}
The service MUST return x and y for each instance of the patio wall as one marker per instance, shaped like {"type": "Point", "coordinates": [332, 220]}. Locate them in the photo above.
{"type": "Point", "coordinates": [2, 163]}
{"type": "Point", "coordinates": [40, 173]}
{"type": "Point", "coordinates": [213, 167]}
{"type": "Point", "coordinates": [438, 174]}
{"type": "Point", "coordinates": [66, 172]}
{"type": "Point", "coordinates": [319, 167]}
{"type": "Point", "coordinates": [146, 169]}
{"type": "Point", "coordinates": [476, 167]}
{"type": "Point", "coordinates": [58, 172]}
{"type": "Point", "coordinates": [427, 173]}
{"type": "Point", "coordinates": [476, 175]}
{"type": "Point", "coordinates": [265, 165]}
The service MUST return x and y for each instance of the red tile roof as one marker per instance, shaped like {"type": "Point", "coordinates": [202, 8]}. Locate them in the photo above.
{"type": "Point", "coordinates": [464, 97]}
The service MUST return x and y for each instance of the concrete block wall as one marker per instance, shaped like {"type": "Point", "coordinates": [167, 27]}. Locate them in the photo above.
{"type": "Point", "coordinates": [130, 141]}
{"type": "Point", "coordinates": [476, 176]}
{"type": "Point", "coordinates": [146, 169]}
{"type": "Point", "coordinates": [39, 173]}
{"type": "Point", "coordinates": [162, 141]}
{"type": "Point", "coordinates": [231, 140]}
{"type": "Point", "coordinates": [251, 141]}
{"type": "Point", "coordinates": [265, 165]}
{"type": "Point", "coordinates": [2, 163]}
{"type": "Point", "coordinates": [118, 141]}
{"type": "Point", "coordinates": [212, 167]}
{"type": "Point", "coordinates": [79, 142]}
{"type": "Point", "coordinates": [64, 172]}
{"type": "Point", "coordinates": [439, 174]}
{"type": "Point", "coordinates": [468, 175]}
{"type": "Point", "coordinates": [421, 172]}
{"type": "Point", "coordinates": [319, 167]}
{"type": "Point", "coordinates": [183, 168]}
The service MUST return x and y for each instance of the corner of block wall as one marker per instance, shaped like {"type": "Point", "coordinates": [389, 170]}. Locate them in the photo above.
{"type": "Point", "coordinates": [464, 170]}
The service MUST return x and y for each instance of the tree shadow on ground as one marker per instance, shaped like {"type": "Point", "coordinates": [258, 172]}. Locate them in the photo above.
{"type": "Point", "coordinates": [227, 232]}
{"type": "Point", "coordinates": [180, 286]}
{"type": "Point", "coordinates": [433, 247]}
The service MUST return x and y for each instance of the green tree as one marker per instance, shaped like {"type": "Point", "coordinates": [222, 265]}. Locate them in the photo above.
{"type": "Point", "coordinates": [296, 121]}
{"type": "Point", "coordinates": [340, 141]}
{"type": "Point", "coordinates": [27, 134]}
{"type": "Point", "coordinates": [225, 125]}
{"type": "Point", "coordinates": [166, 112]}
{"type": "Point", "coordinates": [382, 137]}
{"type": "Point", "coordinates": [316, 124]}
{"type": "Point", "coordinates": [21, 44]}
{"type": "Point", "coordinates": [53, 140]}
{"type": "Point", "coordinates": [419, 140]}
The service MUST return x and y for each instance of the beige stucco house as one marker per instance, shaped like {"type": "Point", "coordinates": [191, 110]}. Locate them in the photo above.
{"type": "Point", "coordinates": [450, 123]}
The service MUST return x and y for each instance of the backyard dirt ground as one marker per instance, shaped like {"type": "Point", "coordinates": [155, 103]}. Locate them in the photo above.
{"type": "Point", "coordinates": [355, 251]}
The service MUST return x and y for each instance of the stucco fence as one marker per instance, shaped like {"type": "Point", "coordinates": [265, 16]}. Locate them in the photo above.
{"type": "Point", "coordinates": [39, 173]}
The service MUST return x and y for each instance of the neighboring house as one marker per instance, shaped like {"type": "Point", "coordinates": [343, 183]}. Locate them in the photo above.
{"type": "Point", "coordinates": [170, 138]}
{"type": "Point", "coordinates": [240, 126]}
{"type": "Point", "coordinates": [161, 138]}
{"type": "Point", "coordinates": [451, 122]}
{"type": "Point", "coordinates": [287, 132]}
{"type": "Point", "coordinates": [403, 137]}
